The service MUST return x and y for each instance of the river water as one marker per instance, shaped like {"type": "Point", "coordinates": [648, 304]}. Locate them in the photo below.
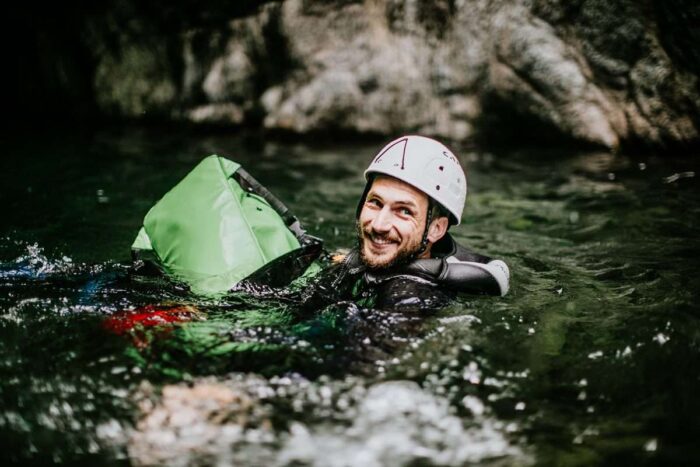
{"type": "Point", "coordinates": [593, 358]}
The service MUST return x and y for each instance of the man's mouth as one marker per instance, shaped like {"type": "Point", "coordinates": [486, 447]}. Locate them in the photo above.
{"type": "Point", "coordinates": [380, 241]}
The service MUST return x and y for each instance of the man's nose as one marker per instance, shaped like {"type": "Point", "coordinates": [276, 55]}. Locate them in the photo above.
{"type": "Point", "coordinates": [382, 221]}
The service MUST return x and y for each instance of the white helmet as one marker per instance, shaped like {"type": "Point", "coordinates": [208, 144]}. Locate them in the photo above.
{"type": "Point", "coordinates": [425, 164]}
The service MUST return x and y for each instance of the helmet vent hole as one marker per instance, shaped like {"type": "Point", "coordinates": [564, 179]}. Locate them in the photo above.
{"type": "Point", "coordinates": [441, 168]}
{"type": "Point", "coordinates": [437, 187]}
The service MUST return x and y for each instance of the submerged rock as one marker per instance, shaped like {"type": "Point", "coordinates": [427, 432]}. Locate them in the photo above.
{"type": "Point", "coordinates": [227, 422]}
{"type": "Point", "coordinates": [194, 424]}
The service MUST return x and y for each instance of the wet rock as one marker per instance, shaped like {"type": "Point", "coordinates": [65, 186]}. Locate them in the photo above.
{"type": "Point", "coordinates": [543, 76]}
{"type": "Point", "coordinates": [135, 83]}
{"type": "Point", "coordinates": [134, 73]}
{"type": "Point", "coordinates": [224, 113]}
{"type": "Point", "coordinates": [603, 73]}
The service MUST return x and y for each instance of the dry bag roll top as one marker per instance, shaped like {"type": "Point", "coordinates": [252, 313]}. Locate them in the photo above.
{"type": "Point", "coordinates": [211, 232]}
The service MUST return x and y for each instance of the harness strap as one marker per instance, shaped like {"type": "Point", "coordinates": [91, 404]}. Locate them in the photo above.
{"type": "Point", "coordinates": [249, 183]}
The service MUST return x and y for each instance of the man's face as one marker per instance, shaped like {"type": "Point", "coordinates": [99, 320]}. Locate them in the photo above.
{"type": "Point", "coordinates": [391, 223]}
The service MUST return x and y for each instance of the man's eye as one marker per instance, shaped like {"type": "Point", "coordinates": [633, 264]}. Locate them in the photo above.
{"type": "Point", "coordinates": [374, 202]}
{"type": "Point", "coordinates": [406, 212]}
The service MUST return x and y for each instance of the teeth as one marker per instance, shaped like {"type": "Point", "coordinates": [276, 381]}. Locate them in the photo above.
{"type": "Point", "coordinates": [379, 240]}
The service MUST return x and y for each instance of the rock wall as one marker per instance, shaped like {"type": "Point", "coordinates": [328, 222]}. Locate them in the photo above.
{"type": "Point", "coordinates": [595, 71]}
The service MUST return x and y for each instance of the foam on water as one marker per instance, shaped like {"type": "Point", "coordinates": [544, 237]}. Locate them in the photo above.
{"type": "Point", "coordinates": [390, 423]}
{"type": "Point", "coordinates": [398, 423]}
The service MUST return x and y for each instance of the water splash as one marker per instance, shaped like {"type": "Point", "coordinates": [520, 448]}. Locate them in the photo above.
{"type": "Point", "coordinates": [398, 423]}
{"type": "Point", "coordinates": [35, 264]}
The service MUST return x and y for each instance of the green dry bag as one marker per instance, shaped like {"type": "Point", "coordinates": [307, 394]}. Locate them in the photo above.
{"type": "Point", "coordinates": [217, 227]}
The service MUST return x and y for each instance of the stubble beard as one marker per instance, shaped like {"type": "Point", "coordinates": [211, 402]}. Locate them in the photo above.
{"type": "Point", "coordinates": [402, 257]}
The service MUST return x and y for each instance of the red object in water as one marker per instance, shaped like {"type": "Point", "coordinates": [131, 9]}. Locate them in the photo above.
{"type": "Point", "coordinates": [135, 321]}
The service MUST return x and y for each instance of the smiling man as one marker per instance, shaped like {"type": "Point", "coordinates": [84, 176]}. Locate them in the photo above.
{"type": "Point", "coordinates": [405, 258]}
{"type": "Point", "coordinates": [416, 190]}
{"type": "Point", "coordinates": [392, 222]}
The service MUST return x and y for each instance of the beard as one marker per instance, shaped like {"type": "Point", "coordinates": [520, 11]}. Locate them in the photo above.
{"type": "Point", "coordinates": [402, 256]}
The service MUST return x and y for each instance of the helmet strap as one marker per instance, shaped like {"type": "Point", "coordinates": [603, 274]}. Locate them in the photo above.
{"type": "Point", "coordinates": [428, 221]}
{"type": "Point", "coordinates": [361, 204]}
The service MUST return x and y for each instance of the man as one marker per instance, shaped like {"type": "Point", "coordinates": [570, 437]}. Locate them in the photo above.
{"type": "Point", "coordinates": [416, 190]}
{"type": "Point", "coordinates": [405, 259]}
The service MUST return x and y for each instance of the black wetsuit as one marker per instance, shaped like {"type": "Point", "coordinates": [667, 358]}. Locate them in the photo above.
{"type": "Point", "coordinates": [420, 285]}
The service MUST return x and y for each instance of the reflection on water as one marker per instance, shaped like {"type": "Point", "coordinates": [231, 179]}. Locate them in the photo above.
{"type": "Point", "coordinates": [591, 358]}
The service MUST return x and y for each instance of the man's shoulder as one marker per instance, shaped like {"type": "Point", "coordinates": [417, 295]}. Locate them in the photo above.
{"type": "Point", "coordinates": [448, 247]}
{"type": "Point", "coordinates": [461, 268]}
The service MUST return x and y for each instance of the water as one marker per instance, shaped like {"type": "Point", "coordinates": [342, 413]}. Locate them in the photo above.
{"type": "Point", "coordinates": [592, 358]}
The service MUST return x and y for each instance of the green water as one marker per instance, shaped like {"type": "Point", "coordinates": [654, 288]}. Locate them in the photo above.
{"type": "Point", "coordinates": [593, 358]}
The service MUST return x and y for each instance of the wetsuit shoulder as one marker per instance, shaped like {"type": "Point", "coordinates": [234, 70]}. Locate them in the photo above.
{"type": "Point", "coordinates": [463, 253]}
{"type": "Point", "coordinates": [462, 269]}
{"type": "Point", "coordinates": [448, 247]}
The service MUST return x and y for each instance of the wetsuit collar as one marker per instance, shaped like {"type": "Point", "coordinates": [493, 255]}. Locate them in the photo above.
{"type": "Point", "coordinates": [444, 247]}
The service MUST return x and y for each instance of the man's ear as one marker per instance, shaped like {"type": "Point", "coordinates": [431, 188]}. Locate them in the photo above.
{"type": "Point", "coordinates": [438, 228]}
